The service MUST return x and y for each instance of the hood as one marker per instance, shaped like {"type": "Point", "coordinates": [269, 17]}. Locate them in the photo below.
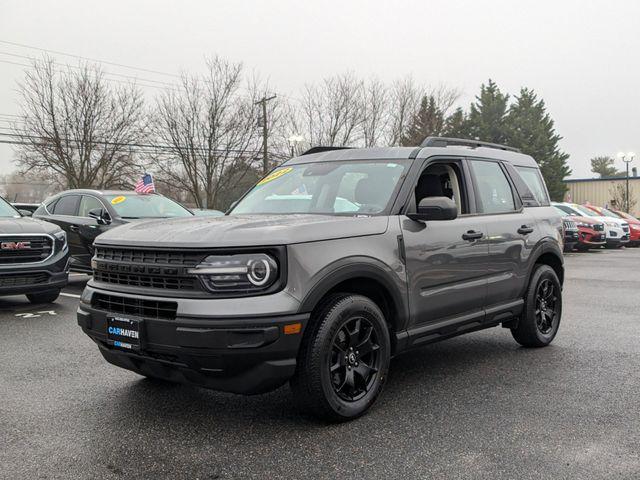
{"type": "Point", "coordinates": [242, 230]}
{"type": "Point", "coordinates": [25, 225]}
{"type": "Point", "coordinates": [619, 222]}
{"type": "Point", "coordinates": [587, 220]}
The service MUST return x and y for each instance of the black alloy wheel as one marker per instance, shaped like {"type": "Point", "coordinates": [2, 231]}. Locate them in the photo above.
{"type": "Point", "coordinates": [354, 360]}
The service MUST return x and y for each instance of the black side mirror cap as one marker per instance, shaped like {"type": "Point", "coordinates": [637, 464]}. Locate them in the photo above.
{"type": "Point", "coordinates": [435, 208]}
{"type": "Point", "coordinates": [100, 215]}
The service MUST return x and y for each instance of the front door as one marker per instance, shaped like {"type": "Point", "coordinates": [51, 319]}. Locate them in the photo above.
{"type": "Point", "coordinates": [446, 260]}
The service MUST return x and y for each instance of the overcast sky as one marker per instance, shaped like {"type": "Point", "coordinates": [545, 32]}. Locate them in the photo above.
{"type": "Point", "coordinates": [580, 56]}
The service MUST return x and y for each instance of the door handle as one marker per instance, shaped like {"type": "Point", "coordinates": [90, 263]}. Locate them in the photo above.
{"type": "Point", "coordinates": [74, 228]}
{"type": "Point", "coordinates": [472, 235]}
{"type": "Point", "coordinates": [525, 230]}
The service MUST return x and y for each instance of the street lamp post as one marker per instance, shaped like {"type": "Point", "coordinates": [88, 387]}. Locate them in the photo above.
{"type": "Point", "coordinates": [627, 158]}
{"type": "Point", "coordinates": [293, 141]}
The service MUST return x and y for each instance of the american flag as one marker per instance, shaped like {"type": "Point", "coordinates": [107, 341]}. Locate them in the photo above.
{"type": "Point", "coordinates": [145, 184]}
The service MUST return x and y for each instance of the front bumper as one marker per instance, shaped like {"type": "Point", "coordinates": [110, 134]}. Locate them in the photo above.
{"type": "Point", "coordinates": [26, 278]}
{"type": "Point", "coordinates": [239, 354]}
{"type": "Point", "coordinates": [591, 238]}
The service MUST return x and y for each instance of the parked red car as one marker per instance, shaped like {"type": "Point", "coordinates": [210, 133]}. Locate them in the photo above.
{"type": "Point", "coordinates": [634, 227]}
{"type": "Point", "coordinates": [591, 232]}
{"type": "Point", "coordinates": [634, 223]}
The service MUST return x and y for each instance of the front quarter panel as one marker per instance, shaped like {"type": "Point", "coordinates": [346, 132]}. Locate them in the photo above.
{"type": "Point", "coordinates": [317, 267]}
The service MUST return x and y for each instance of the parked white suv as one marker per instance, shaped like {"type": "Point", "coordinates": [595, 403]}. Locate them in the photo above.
{"type": "Point", "coordinates": [616, 229]}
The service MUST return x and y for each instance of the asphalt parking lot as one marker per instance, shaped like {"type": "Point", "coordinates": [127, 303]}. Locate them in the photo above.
{"type": "Point", "coordinates": [478, 406]}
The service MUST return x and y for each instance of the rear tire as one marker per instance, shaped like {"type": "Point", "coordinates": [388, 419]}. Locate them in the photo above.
{"type": "Point", "coordinates": [343, 360]}
{"type": "Point", "coordinates": [48, 296]}
{"type": "Point", "coordinates": [540, 318]}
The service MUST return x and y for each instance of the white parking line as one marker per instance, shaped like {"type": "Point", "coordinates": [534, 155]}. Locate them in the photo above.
{"type": "Point", "coordinates": [72, 295]}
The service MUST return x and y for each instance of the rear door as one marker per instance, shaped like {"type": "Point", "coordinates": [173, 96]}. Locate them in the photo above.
{"type": "Point", "coordinates": [65, 214]}
{"type": "Point", "coordinates": [512, 232]}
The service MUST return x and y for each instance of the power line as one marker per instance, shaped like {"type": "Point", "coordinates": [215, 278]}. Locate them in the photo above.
{"type": "Point", "coordinates": [57, 52]}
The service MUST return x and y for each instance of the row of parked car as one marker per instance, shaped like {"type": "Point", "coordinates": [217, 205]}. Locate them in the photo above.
{"type": "Point", "coordinates": [589, 226]}
{"type": "Point", "coordinates": [41, 243]}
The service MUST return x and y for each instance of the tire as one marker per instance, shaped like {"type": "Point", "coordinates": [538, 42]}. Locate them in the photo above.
{"type": "Point", "coordinates": [48, 296]}
{"type": "Point", "coordinates": [334, 387]}
{"type": "Point", "coordinates": [542, 312]}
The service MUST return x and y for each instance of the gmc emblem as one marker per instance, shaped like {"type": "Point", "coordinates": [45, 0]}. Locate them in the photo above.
{"type": "Point", "coordinates": [15, 245]}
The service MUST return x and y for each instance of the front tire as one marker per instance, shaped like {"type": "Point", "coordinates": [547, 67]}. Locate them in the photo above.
{"type": "Point", "coordinates": [48, 296]}
{"type": "Point", "coordinates": [343, 360]}
{"type": "Point", "coordinates": [540, 318]}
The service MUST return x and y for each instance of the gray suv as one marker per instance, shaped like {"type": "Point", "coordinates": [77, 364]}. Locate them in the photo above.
{"type": "Point", "coordinates": [327, 268]}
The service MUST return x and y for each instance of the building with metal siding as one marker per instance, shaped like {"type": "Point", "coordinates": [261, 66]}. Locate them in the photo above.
{"type": "Point", "coordinates": [598, 191]}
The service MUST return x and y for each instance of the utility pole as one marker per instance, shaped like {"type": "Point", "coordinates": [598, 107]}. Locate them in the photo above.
{"type": "Point", "coordinates": [627, 158]}
{"type": "Point", "coordinates": [265, 132]}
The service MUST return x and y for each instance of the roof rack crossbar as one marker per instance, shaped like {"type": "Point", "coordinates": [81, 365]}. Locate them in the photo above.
{"type": "Point", "coordinates": [323, 149]}
{"type": "Point", "coordinates": [446, 141]}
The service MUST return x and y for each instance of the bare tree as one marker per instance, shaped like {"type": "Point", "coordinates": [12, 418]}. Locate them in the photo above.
{"type": "Point", "coordinates": [375, 110]}
{"type": "Point", "coordinates": [404, 103]}
{"type": "Point", "coordinates": [209, 125]}
{"type": "Point", "coordinates": [331, 112]}
{"type": "Point", "coordinates": [78, 127]}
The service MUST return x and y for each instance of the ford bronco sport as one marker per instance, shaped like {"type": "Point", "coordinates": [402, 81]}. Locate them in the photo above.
{"type": "Point", "coordinates": [328, 267]}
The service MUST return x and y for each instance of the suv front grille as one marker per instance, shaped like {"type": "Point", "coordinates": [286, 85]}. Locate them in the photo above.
{"type": "Point", "coordinates": [135, 306]}
{"type": "Point", "coordinates": [625, 227]}
{"type": "Point", "coordinates": [570, 225]}
{"type": "Point", "coordinates": [146, 268]}
{"type": "Point", "coordinates": [22, 279]}
{"type": "Point", "coordinates": [24, 249]}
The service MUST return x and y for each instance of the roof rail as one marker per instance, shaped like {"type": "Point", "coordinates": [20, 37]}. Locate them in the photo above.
{"type": "Point", "coordinates": [445, 142]}
{"type": "Point", "coordinates": [323, 149]}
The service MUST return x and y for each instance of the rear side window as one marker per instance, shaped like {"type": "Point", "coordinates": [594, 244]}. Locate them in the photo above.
{"type": "Point", "coordinates": [67, 205]}
{"type": "Point", "coordinates": [494, 190]}
{"type": "Point", "coordinates": [534, 181]}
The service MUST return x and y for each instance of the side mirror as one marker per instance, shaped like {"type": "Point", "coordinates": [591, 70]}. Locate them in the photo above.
{"type": "Point", "coordinates": [435, 208]}
{"type": "Point", "coordinates": [100, 215]}
{"type": "Point", "coordinates": [25, 213]}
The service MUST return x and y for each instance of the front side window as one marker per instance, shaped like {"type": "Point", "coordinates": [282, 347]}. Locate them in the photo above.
{"type": "Point", "coordinates": [87, 204]}
{"type": "Point", "coordinates": [534, 181]}
{"type": "Point", "coordinates": [332, 188]}
{"type": "Point", "coordinates": [146, 206]}
{"type": "Point", "coordinates": [494, 190]}
{"type": "Point", "coordinates": [6, 210]}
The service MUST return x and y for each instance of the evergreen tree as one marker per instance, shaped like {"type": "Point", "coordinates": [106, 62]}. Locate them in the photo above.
{"type": "Point", "coordinates": [531, 129]}
{"type": "Point", "coordinates": [604, 166]}
{"type": "Point", "coordinates": [428, 121]}
{"type": "Point", "coordinates": [457, 125]}
{"type": "Point", "coordinates": [487, 115]}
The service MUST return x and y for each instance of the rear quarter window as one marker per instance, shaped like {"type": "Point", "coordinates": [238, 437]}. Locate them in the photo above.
{"type": "Point", "coordinates": [533, 178]}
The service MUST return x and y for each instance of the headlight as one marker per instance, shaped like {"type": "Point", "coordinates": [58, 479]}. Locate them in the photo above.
{"type": "Point", "coordinates": [612, 224]}
{"type": "Point", "coordinates": [243, 273]}
{"type": "Point", "coordinates": [61, 237]}
{"type": "Point", "coordinates": [634, 226]}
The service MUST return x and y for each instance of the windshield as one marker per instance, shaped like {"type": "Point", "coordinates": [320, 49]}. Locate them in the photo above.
{"type": "Point", "coordinates": [6, 210]}
{"type": "Point", "coordinates": [609, 213]}
{"type": "Point", "coordinates": [334, 188]}
{"type": "Point", "coordinates": [562, 212]}
{"type": "Point", "coordinates": [146, 206]}
{"type": "Point", "coordinates": [587, 212]}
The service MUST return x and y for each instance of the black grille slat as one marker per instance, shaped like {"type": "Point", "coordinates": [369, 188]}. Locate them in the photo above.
{"type": "Point", "coordinates": [154, 257]}
{"type": "Point", "coordinates": [18, 280]}
{"type": "Point", "coordinates": [146, 281]}
{"type": "Point", "coordinates": [40, 248]}
{"type": "Point", "coordinates": [135, 306]}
